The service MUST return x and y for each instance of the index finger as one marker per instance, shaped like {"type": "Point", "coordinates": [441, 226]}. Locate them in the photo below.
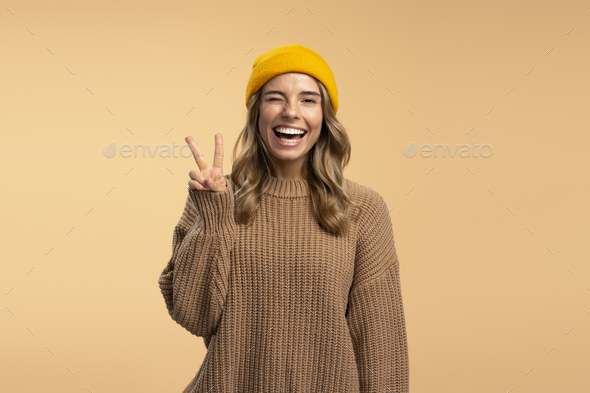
{"type": "Point", "coordinates": [218, 158]}
{"type": "Point", "coordinates": [199, 159]}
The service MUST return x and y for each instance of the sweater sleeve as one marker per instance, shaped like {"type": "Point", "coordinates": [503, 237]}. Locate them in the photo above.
{"type": "Point", "coordinates": [194, 283]}
{"type": "Point", "coordinates": [375, 308]}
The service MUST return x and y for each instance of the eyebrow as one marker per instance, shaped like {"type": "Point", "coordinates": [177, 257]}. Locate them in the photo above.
{"type": "Point", "coordinates": [303, 93]}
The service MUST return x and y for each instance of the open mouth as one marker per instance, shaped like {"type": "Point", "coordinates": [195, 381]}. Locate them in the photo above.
{"type": "Point", "coordinates": [290, 137]}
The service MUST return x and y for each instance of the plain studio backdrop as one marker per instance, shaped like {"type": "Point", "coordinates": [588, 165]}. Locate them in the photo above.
{"type": "Point", "coordinates": [495, 279]}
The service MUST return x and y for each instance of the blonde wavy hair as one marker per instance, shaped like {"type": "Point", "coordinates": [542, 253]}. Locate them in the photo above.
{"type": "Point", "coordinates": [331, 201]}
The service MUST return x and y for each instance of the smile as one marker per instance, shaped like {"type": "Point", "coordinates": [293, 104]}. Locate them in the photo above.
{"type": "Point", "coordinates": [289, 137]}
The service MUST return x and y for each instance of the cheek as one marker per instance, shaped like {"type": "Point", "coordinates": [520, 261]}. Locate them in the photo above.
{"type": "Point", "coordinates": [262, 125]}
{"type": "Point", "coordinates": [266, 118]}
{"type": "Point", "coordinates": [318, 123]}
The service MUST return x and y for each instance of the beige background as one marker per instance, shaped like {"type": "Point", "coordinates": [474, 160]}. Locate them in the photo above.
{"type": "Point", "coordinates": [494, 268]}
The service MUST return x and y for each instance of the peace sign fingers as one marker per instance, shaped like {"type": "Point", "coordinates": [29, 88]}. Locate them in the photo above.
{"type": "Point", "coordinates": [199, 159]}
{"type": "Point", "coordinates": [208, 178]}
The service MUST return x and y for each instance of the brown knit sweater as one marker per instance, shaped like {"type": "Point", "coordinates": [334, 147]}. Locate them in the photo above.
{"type": "Point", "coordinates": [282, 305]}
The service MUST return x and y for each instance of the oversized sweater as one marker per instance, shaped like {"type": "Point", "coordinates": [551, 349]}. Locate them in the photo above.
{"type": "Point", "coordinates": [281, 304]}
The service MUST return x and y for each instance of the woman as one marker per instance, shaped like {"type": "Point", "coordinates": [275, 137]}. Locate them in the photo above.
{"type": "Point", "coordinates": [286, 269]}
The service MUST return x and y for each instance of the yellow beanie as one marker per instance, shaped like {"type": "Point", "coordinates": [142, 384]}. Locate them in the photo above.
{"type": "Point", "coordinates": [291, 58]}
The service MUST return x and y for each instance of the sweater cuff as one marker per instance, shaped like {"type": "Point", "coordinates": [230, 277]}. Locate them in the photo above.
{"type": "Point", "coordinates": [216, 208]}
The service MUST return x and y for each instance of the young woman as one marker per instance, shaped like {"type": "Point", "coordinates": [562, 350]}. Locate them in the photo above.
{"type": "Point", "coordinates": [288, 270]}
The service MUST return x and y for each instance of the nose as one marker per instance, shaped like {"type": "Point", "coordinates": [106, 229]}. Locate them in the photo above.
{"type": "Point", "coordinates": [291, 110]}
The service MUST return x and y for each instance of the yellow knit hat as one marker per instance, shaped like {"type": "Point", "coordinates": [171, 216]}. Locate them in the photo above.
{"type": "Point", "coordinates": [291, 58]}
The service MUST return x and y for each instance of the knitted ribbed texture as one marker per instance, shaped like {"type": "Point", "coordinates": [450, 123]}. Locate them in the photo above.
{"type": "Point", "coordinates": [282, 305]}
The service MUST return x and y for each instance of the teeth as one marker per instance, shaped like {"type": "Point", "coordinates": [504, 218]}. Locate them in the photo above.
{"type": "Point", "coordinates": [283, 130]}
{"type": "Point", "coordinates": [289, 141]}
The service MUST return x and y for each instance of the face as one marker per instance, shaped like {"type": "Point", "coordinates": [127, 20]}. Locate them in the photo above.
{"type": "Point", "coordinates": [294, 101]}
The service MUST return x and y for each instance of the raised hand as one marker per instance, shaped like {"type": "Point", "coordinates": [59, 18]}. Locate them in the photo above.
{"type": "Point", "coordinates": [207, 178]}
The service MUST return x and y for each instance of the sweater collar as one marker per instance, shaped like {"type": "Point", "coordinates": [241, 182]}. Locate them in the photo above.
{"type": "Point", "coordinates": [287, 188]}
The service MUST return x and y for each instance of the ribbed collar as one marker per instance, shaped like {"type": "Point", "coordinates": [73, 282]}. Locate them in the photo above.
{"type": "Point", "coordinates": [287, 188]}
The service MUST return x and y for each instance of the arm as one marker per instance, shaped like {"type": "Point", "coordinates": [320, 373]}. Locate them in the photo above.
{"type": "Point", "coordinates": [375, 310]}
{"type": "Point", "coordinates": [194, 283]}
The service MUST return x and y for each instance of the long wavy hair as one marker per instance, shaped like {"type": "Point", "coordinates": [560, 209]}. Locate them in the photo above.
{"type": "Point", "coordinates": [252, 163]}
